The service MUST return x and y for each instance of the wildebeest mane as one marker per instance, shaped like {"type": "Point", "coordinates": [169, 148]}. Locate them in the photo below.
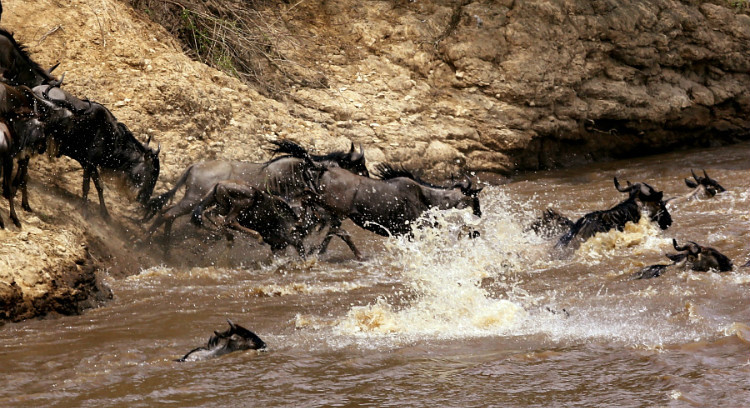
{"type": "Point", "coordinates": [23, 51]}
{"type": "Point", "coordinates": [289, 149]}
{"type": "Point", "coordinates": [385, 171]}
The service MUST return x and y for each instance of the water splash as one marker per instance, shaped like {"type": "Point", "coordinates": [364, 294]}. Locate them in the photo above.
{"type": "Point", "coordinates": [442, 271]}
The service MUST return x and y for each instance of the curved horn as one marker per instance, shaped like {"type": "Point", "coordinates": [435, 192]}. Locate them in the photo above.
{"type": "Point", "coordinates": [677, 247]}
{"type": "Point", "coordinates": [158, 149]}
{"type": "Point", "coordinates": [58, 82]}
{"type": "Point", "coordinates": [694, 176]}
{"type": "Point", "coordinates": [351, 148]}
{"type": "Point", "coordinates": [354, 156]}
{"type": "Point", "coordinates": [705, 174]}
{"type": "Point", "coordinates": [620, 189]}
{"type": "Point", "coordinates": [231, 324]}
{"type": "Point", "coordinates": [52, 68]}
{"type": "Point", "coordinates": [148, 140]}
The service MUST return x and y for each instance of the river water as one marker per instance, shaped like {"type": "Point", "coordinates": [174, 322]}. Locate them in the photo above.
{"type": "Point", "coordinates": [438, 320]}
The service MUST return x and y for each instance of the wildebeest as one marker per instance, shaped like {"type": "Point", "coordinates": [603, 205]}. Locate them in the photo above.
{"type": "Point", "coordinates": [641, 196]}
{"type": "Point", "coordinates": [390, 205]}
{"type": "Point", "coordinates": [236, 338]}
{"type": "Point", "coordinates": [17, 67]}
{"type": "Point", "coordinates": [693, 257]}
{"type": "Point", "coordinates": [286, 176]}
{"type": "Point", "coordinates": [703, 187]}
{"type": "Point", "coordinates": [265, 217]}
{"type": "Point", "coordinates": [99, 142]}
{"type": "Point", "coordinates": [550, 224]}
{"type": "Point", "coordinates": [21, 134]}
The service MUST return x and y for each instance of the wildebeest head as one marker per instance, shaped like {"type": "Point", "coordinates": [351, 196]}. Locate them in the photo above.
{"type": "Point", "coordinates": [650, 199]}
{"type": "Point", "coordinates": [470, 196]}
{"type": "Point", "coordinates": [144, 174]}
{"type": "Point", "coordinates": [710, 185]}
{"type": "Point", "coordinates": [355, 161]}
{"type": "Point", "coordinates": [234, 339]}
{"type": "Point", "coordinates": [700, 258]}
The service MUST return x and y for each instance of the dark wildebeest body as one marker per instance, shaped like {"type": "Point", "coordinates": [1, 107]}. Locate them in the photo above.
{"type": "Point", "coordinates": [286, 176]}
{"type": "Point", "coordinates": [550, 224]}
{"type": "Point", "coordinates": [693, 257]}
{"type": "Point", "coordinates": [236, 338]}
{"type": "Point", "coordinates": [21, 135]}
{"type": "Point", "coordinates": [641, 196]}
{"type": "Point", "coordinates": [17, 67]}
{"type": "Point", "coordinates": [265, 217]}
{"type": "Point", "coordinates": [99, 142]}
{"type": "Point", "coordinates": [389, 206]}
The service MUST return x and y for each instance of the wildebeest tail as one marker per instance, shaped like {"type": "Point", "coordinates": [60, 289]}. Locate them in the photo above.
{"type": "Point", "coordinates": [155, 205]}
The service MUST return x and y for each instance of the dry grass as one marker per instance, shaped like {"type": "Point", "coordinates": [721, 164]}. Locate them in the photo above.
{"type": "Point", "coordinates": [244, 38]}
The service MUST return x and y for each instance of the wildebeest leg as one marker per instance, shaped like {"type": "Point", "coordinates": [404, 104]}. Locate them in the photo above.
{"type": "Point", "coordinates": [344, 235]}
{"type": "Point", "coordinates": [7, 186]}
{"type": "Point", "coordinates": [85, 190]}
{"type": "Point", "coordinates": [335, 225]}
{"type": "Point", "coordinates": [100, 192]}
{"type": "Point", "coordinates": [168, 217]}
{"type": "Point", "coordinates": [4, 177]}
{"type": "Point", "coordinates": [21, 181]}
{"type": "Point", "coordinates": [232, 223]}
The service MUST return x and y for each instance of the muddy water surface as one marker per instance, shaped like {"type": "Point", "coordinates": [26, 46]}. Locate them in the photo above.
{"type": "Point", "coordinates": [439, 320]}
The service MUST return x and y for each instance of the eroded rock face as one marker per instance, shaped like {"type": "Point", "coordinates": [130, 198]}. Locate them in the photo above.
{"type": "Point", "coordinates": [518, 85]}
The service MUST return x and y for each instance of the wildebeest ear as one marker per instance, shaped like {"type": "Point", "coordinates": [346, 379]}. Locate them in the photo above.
{"type": "Point", "coordinates": [691, 183]}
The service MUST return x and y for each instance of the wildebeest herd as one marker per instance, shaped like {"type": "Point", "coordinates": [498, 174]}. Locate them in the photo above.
{"type": "Point", "coordinates": [280, 202]}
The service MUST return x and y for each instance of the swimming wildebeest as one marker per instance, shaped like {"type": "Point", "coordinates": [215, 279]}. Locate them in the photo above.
{"type": "Point", "coordinates": [17, 67]}
{"type": "Point", "coordinates": [286, 176]}
{"type": "Point", "coordinates": [93, 137]}
{"type": "Point", "coordinates": [641, 196]}
{"type": "Point", "coordinates": [550, 224]}
{"type": "Point", "coordinates": [265, 217]}
{"type": "Point", "coordinates": [703, 187]}
{"type": "Point", "coordinates": [693, 257]}
{"type": "Point", "coordinates": [236, 338]}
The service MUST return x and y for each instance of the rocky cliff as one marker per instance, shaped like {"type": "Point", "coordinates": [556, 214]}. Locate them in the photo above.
{"type": "Point", "coordinates": [495, 86]}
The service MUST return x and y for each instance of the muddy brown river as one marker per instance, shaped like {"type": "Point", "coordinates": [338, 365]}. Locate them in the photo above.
{"type": "Point", "coordinates": [438, 320]}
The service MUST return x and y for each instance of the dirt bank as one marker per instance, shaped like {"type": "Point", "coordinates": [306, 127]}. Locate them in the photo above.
{"type": "Point", "coordinates": [481, 85]}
